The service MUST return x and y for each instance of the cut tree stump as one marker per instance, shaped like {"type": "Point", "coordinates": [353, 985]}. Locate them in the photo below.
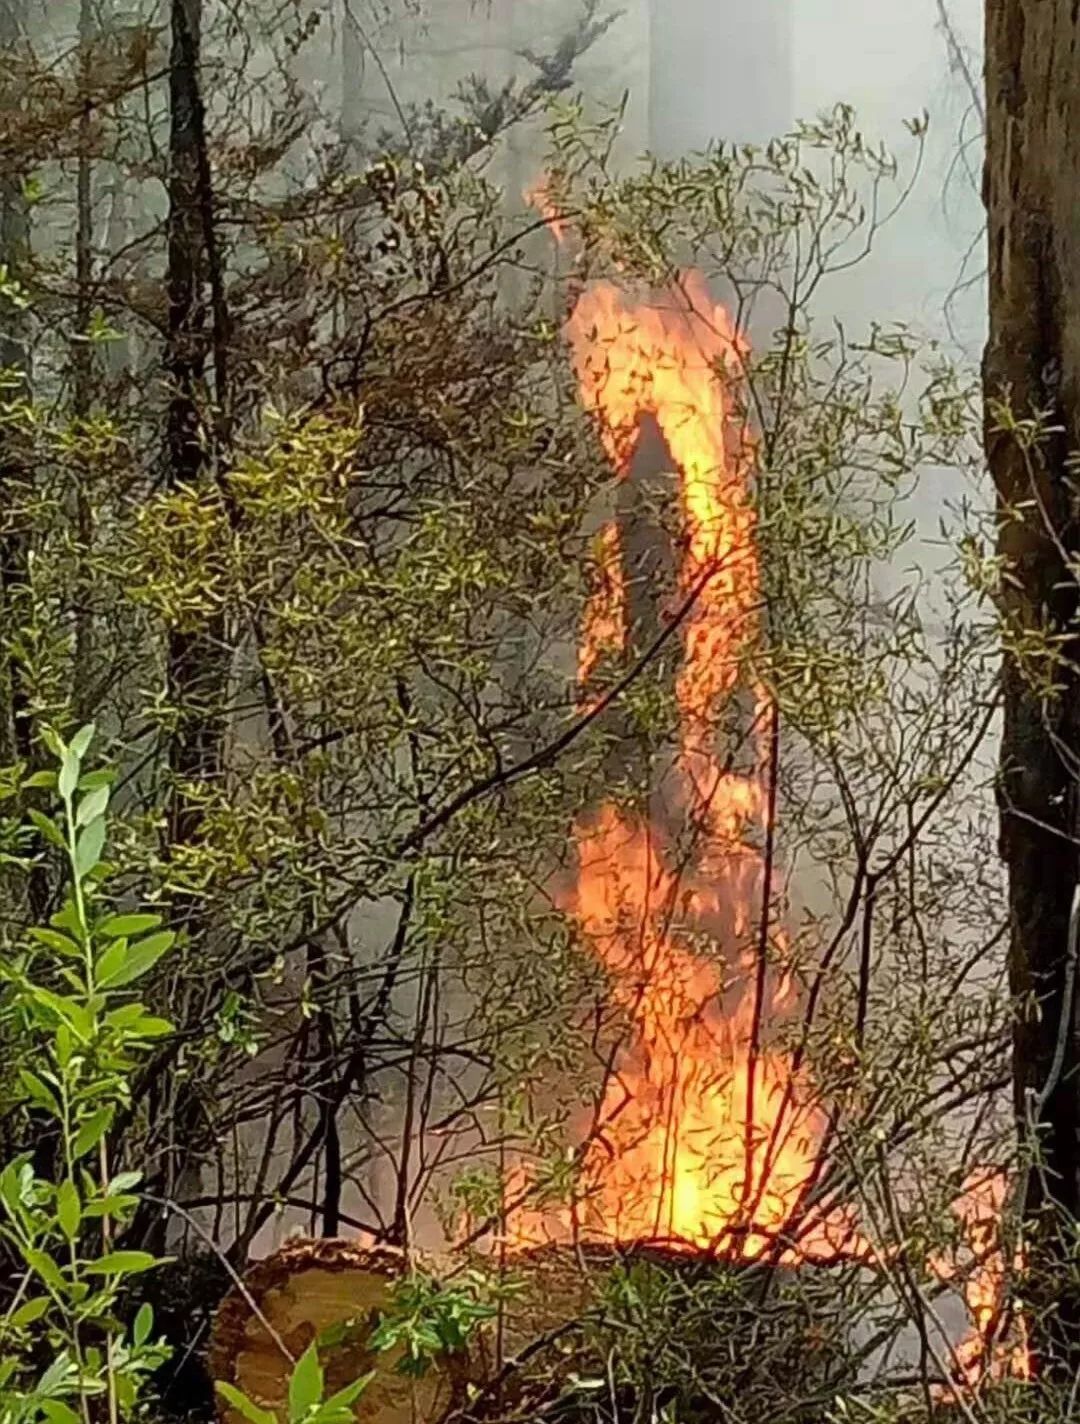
{"type": "Point", "coordinates": [303, 1290]}
{"type": "Point", "coordinates": [770, 1343]}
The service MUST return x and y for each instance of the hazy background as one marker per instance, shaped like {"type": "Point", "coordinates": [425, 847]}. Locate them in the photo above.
{"type": "Point", "coordinates": [742, 70]}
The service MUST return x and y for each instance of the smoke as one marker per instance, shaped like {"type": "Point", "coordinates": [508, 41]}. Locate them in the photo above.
{"type": "Point", "coordinates": [719, 71]}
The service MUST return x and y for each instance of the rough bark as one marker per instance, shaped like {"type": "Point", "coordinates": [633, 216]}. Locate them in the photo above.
{"type": "Point", "coordinates": [198, 660]}
{"type": "Point", "coordinates": [15, 357]}
{"type": "Point", "coordinates": [196, 365]}
{"type": "Point", "coordinates": [1031, 188]}
{"type": "Point", "coordinates": [196, 673]}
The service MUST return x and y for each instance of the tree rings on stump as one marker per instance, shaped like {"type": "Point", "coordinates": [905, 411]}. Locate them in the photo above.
{"type": "Point", "coordinates": [301, 1292]}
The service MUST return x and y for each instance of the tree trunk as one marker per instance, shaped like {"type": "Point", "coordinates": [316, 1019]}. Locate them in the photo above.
{"type": "Point", "coordinates": [22, 897]}
{"type": "Point", "coordinates": [198, 661]}
{"type": "Point", "coordinates": [83, 370]}
{"type": "Point", "coordinates": [1031, 189]}
{"type": "Point", "coordinates": [14, 356]}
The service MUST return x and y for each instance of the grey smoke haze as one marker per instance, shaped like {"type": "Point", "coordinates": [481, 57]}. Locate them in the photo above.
{"type": "Point", "coordinates": [745, 72]}
{"type": "Point", "coordinates": [742, 70]}
{"type": "Point", "coordinates": [719, 70]}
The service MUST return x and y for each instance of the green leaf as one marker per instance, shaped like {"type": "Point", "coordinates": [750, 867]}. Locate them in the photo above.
{"type": "Point", "coordinates": [305, 1385]}
{"type": "Point", "coordinates": [57, 1412]}
{"type": "Point", "coordinates": [110, 1206]}
{"type": "Point", "coordinates": [92, 806]}
{"type": "Point", "coordinates": [126, 926]}
{"type": "Point", "coordinates": [67, 917]}
{"type": "Point", "coordinates": [80, 742]}
{"type": "Point", "coordinates": [65, 1009]}
{"type": "Point", "coordinates": [124, 1181]}
{"type": "Point", "coordinates": [110, 962]}
{"type": "Point", "coordinates": [121, 1019]}
{"type": "Point", "coordinates": [335, 1334]}
{"type": "Point", "coordinates": [93, 1129]}
{"type": "Point", "coordinates": [53, 939]}
{"type": "Point", "coordinates": [68, 1208]}
{"type": "Point", "coordinates": [243, 1405]}
{"type": "Point", "coordinates": [68, 779]}
{"type": "Point", "coordinates": [54, 742]}
{"type": "Point", "coordinates": [9, 1189]}
{"type": "Point", "coordinates": [103, 776]}
{"type": "Point", "coordinates": [61, 1375]}
{"type": "Point", "coordinates": [149, 1027]}
{"type": "Point", "coordinates": [143, 1323]}
{"type": "Point", "coordinates": [64, 1047]}
{"type": "Point", "coordinates": [39, 1092]}
{"type": "Point", "coordinates": [42, 1264]}
{"type": "Point", "coordinates": [30, 1311]}
{"type": "Point", "coordinates": [338, 1415]}
{"type": "Point", "coordinates": [345, 1398]}
{"type": "Point", "coordinates": [48, 828]}
{"type": "Point", "coordinates": [121, 1263]}
{"type": "Point", "coordinates": [39, 779]}
{"type": "Point", "coordinates": [89, 846]}
{"type": "Point", "coordinates": [141, 957]}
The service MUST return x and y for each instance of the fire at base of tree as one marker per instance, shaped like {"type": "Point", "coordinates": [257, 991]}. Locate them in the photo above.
{"type": "Point", "coordinates": [490, 780]}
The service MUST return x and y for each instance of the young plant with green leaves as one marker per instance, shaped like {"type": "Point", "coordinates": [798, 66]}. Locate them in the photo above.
{"type": "Point", "coordinates": [69, 1353]}
{"type": "Point", "coordinates": [306, 1403]}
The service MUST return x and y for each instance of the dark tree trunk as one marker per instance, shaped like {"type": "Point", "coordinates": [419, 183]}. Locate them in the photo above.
{"type": "Point", "coordinates": [1031, 189]}
{"type": "Point", "coordinates": [14, 356]}
{"type": "Point", "coordinates": [198, 662]}
{"type": "Point", "coordinates": [22, 897]}
{"type": "Point", "coordinates": [83, 371]}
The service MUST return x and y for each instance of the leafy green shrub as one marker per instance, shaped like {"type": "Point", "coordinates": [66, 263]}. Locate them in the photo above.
{"type": "Point", "coordinates": [69, 1001]}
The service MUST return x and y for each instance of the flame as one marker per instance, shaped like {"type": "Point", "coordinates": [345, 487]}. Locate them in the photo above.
{"type": "Point", "coordinates": [700, 1140]}
{"type": "Point", "coordinates": [996, 1346]}
{"type": "Point", "coordinates": [705, 1138]}
{"type": "Point", "coordinates": [540, 197]}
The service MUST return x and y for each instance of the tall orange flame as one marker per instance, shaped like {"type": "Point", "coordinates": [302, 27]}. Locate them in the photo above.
{"type": "Point", "coordinates": [704, 1138]}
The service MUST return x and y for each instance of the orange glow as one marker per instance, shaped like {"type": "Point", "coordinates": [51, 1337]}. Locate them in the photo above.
{"type": "Point", "coordinates": [670, 361]}
{"type": "Point", "coordinates": [996, 1346]}
{"type": "Point", "coordinates": [539, 197]}
{"type": "Point", "coordinates": [685, 1149]}
{"type": "Point", "coordinates": [704, 1138]}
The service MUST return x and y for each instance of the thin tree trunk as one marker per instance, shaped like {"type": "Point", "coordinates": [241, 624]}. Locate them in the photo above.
{"type": "Point", "coordinates": [83, 367]}
{"type": "Point", "coordinates": [14, 356]}
{"type": "Point", "coordinates": [198, 661]}
{"type": "Point", "coordinates": [29, 895]}
{"type": "Point", "coordinates": [1031, 189]}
